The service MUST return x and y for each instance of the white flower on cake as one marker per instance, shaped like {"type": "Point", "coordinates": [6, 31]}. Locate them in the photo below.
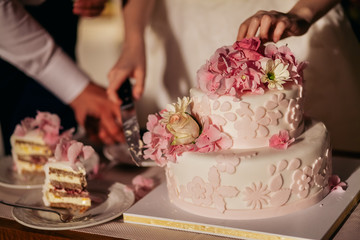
{"type": "Point", "coordinates": [275, 73]}
{"type": "Point", "coordinates": [179, 123]}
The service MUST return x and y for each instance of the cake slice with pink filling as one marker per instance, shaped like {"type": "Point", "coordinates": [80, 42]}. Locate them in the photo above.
{"type": "Point", "coordinates": [65, 177]}
{"type": "Point", "coordinates": [34, 140]}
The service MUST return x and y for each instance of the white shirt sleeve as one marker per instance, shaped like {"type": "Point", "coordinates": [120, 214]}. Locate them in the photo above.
{"type": "Point", "coordinates": [29, 47]}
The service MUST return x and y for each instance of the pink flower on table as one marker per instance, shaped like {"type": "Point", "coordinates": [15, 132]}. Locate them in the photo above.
{"type": "Point", "coordinates": [142, 186]}
{"type": "Point", "coordinates": [335, 184]}
{"type": "Point", "coordinates": [281, 140]}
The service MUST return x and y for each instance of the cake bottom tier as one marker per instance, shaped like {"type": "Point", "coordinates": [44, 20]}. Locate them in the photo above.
{"type": "Point", "coordinates": [253, 183]}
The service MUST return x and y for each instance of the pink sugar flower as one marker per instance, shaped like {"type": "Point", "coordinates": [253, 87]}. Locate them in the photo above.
{"type": "Point", "coordinates": [335, 184]}
{"type": "Point", "coordinates": [158, 141]}
{"type": "Point", "coordinates": [281, 140]}
{"type": "Point", "coordinates": [142, 186]}
{"type": "Point", "coordinates": [46, 123]}
{"type": "Point", "coordinates": [72, 151]}
{"type": "Point", "coordinates": [248, 43]}
{"type": "Point", "coordinates": [212, 139]}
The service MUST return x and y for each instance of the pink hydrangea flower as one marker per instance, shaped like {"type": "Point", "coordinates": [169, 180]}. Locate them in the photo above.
{"type": "Point", "coordinates": [47, 123]}
{"type": "Point", "coordinates": [158, 141]}
{"type": "Point", "coordinates": [284, 54]}
{"type": "Point", "coordinates": [235, 70]}
{"type": "Point", "coordinates": [232, 70]}
{"type": "Point", "coordinates": [212, 139]}
{"type": "Point", "coordinates": [335, 184]}
{"type": "Point", "coordinates": [72, 151]}
{"type": "Point", "coordinates": [281, 140]}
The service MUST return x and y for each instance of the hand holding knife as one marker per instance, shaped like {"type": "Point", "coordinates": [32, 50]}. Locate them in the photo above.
{"type": "Point", "coordinates": [131, 125]}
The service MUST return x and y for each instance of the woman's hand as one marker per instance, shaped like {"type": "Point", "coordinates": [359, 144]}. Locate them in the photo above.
{"type": "Point", "coordinates": [272, 26]}
{"type": "Point", "coordinates": [131, 64]}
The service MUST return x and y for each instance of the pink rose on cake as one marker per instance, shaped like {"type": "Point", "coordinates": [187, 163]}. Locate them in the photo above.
{"type": "Point", "coordinates": [174, 131]}
{"type": "Point", "coordinates": [180, 124]}
{"type": "Point", "coordinates": [249, 67]}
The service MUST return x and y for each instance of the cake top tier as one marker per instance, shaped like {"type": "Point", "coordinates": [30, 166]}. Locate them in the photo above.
{"type": "Point", "coordinates": [248, 96]}
{"type": "Point", "coordinates": [248, 66]}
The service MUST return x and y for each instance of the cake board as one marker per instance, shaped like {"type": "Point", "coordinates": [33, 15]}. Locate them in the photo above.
{"type": "Point", "coordinates": [316, 222]}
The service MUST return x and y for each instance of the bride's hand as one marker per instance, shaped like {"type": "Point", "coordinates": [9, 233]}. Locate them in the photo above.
{"type": "Point", "coordinates": [272, 26]}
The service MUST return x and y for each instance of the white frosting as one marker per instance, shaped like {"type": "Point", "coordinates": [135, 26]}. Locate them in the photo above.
{"type": "Point", "coordinates": [49, 198]}
{"type": "Point", "coordinates": [252, 119]}
{"type": "Point", "coordinates": [253, 183]}
{"type": "Point", "coordinates": [27, 149]}
{"type": "Point", "coordinates": [33, 136]}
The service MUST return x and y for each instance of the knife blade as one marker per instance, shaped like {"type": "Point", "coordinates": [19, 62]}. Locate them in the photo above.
{"type": "Point", "coordinates": [131, 125]}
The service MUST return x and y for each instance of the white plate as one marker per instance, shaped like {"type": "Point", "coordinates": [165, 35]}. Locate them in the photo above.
{"type": "Point", "coordinates": [105, 206]}
{"type": "Point", "coordinates": [11, 179]}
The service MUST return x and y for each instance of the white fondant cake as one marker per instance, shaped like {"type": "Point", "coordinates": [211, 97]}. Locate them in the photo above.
{"type": "Point", "coordinates": [244, 150]}
{"type": "Point", "coordinates": [252, 119]}
{"type": "Point", "coordinates": [253, 183]}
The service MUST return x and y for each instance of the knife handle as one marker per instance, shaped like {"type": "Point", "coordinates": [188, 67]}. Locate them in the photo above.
{"type": "Point", "coordinates": [125, 93]}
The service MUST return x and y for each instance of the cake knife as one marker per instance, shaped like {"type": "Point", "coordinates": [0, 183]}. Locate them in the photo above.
{"type": "Point", "coordinates": [131, 125]}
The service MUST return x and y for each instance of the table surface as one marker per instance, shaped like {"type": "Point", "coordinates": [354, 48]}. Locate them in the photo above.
{"type": "Point", "coordinates": [117, 229]}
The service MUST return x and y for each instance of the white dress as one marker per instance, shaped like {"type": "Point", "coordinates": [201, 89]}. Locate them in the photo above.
{"type": "Point", "coordinates": [184, 33]}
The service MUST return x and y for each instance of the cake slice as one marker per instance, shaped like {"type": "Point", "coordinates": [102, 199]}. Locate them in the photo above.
{"type": "Point", "coordinates": [34, 140]}
{"type": "Point", "coordinates": [65, 177]}
{"type": "Point", "coordinates": [65, 186]}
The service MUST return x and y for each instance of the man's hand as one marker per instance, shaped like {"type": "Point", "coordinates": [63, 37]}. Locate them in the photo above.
{"type": "Point", "coordinates": [93, 102]}
{"type": "Point", "coordinates": [89, 8]}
